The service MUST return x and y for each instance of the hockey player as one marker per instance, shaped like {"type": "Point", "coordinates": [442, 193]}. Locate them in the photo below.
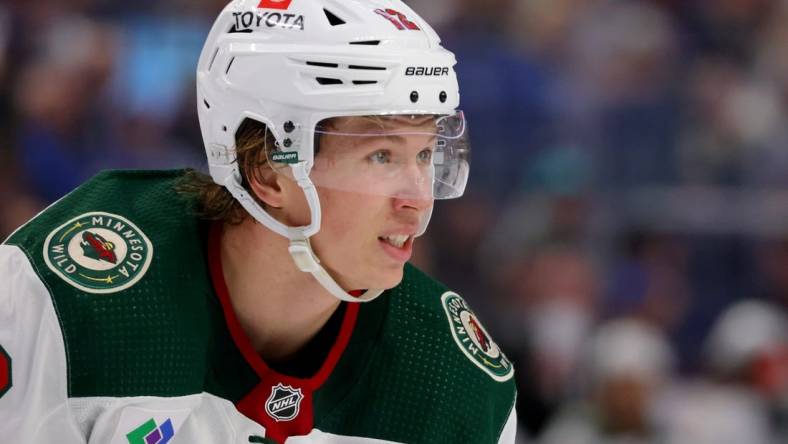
{"type": "Point", "coordinates": [271, 301]}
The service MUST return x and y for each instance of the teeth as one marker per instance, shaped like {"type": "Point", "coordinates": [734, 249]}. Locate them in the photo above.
{"type": "Point", "coordinates": [397, 240]}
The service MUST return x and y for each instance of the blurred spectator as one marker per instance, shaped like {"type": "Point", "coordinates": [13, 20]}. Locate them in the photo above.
{"type": "Point", "coordinates": [5, 74]}
{"type": "Point", "coordinates": [628, 364]}
{"type": "Point", "coordinates": [727, 27]}
{"type": "Point", "coordinates": [748, 350]}
{"type": "Point", "coordinates": [733, 120]}
{"type": "Point", "coordinates": [769, 164]}
{"type": "Point", "coordinates": [745, 333]}
{"type": "Point", "coordinates": [5, 37]}
{"type": "Point", "coordinates": [649, 280]}
{"type": "Point", "coordinates": [18, 206]}
{"type": "Point", "coordinates": [558, 289]}
{"type": "Point", "coordinates": [704, 413]}
{"type": "Point", "coordinates": [541, 27]}
{"type": "Point", "coordinates": [542, 264]}
{"type": "Point", "coordinates": [620, 96]}
{"type": "Point", "coordinates": [772, 260]}
{"type": "Point", "coordinates": [551, 295]}
{"type": "Point", "coordinates": [60, 141]}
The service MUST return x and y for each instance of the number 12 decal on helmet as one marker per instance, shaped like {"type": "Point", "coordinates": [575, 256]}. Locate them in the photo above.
{"type": "Point", "coordinates": [274, 4]}
{"type": "Point", "coordinates": [398, 19]}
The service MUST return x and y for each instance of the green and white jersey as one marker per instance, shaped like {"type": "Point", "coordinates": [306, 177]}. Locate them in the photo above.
{"type": "Point", "coordinates": [116, 328]}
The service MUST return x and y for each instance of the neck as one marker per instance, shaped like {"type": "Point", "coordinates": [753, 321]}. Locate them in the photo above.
{"type": "Point", "coordinates": [279, 307]}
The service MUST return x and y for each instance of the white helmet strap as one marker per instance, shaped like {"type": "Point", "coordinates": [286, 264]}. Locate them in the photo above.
{"type": "Point", "coordinates": [306, 260]}
{"type": "Point", "coordinates": [300, 249]}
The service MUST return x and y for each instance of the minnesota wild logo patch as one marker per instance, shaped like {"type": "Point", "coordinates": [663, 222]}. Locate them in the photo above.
{"type": "Point", "coordinates": [473, 339]}
{"type": "Point", "coordinates": [98, 252]}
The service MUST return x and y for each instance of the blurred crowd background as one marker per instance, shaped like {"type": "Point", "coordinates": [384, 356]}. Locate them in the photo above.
{"type": "Point", "coordinates": [625, 233]}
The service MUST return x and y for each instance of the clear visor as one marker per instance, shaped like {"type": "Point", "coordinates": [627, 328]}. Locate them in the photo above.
{"type": "Point", "coordinates": [404, 156]}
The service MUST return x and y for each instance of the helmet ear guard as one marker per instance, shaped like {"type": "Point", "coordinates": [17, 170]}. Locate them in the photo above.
{"type": "Point", "coordinates": [290, 65]}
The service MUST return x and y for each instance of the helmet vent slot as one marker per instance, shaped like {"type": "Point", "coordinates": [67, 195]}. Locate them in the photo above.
{"type": "Point", "coordinates": [333, 20]}
{"type": "Point", "coordinates": [328, 81]}
{"type": "Point", "coordinates": [323, 65]}
{"type": "Point", "coordinates": [229, 65]}
{"type": "Point", "coordinates": [367, 68]}
{"type": "Point", "coordinates": [366, 42]}
{"type": "Point", "coordinates": [365, 82]}
{"type": "Point", "coordinates": [213, 58]}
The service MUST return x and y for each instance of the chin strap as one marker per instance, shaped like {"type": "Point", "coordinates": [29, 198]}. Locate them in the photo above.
{"type": "Point", "coordinates": [306, 261]}
{"type": "Point", "coordinates": [300, 248]}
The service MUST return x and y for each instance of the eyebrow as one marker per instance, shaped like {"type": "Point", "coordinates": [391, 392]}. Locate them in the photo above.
{"type": "Point", "coordinates": [398, 137]}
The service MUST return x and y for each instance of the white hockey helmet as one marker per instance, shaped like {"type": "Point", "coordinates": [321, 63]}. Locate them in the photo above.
{"type": "Point", "coordinates": [292, 64]}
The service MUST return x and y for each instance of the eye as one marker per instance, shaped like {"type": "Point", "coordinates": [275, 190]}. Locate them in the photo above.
{"type": "Point", "coordinates": [381, 157]}
{"type": "Point", "coordinates": [425, 156]}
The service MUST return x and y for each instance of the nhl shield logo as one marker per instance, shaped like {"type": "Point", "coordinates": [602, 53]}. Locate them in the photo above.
{"type": "Point", "coordinates": [284, 402]}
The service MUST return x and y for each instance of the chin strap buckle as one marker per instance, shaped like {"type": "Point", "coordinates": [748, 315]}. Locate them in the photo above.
{"type": "Point", "coordinates": [303, 257]}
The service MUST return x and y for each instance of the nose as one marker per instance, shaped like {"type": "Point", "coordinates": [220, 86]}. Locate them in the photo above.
{"type": "Point", "coordinates": [421, 205]}
{"type": "Point", "coordinates": [415, 190]}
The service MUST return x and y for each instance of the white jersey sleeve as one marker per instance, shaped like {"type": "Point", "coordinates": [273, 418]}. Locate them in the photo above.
{"type": "Point", "coordinates": [509, 429]}
{"type": "Point", "coordinates": [34, 396]}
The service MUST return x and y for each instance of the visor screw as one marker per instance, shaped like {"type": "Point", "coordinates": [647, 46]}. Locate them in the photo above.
{"type": "Point", "coordinates": [414, 96]}
{"type": "Point", "coordinates": [442, 97]}
{"type": "Point", "coordinates": [289, 126]}
{"type": "Point", "coordinates": [288, 143]}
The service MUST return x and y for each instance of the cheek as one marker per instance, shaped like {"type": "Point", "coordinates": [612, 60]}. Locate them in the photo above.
{"type": "Point", "coordinates": [339, 217]}
{"type": "Point", "coordinates": [350, 218]}
{"type": "Point", "coordinates": [296, 209]}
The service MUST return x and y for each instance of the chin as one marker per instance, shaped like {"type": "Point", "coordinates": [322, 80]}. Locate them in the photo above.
{"type": "Point", "coordinates": [386, 279]}
{"type": "Point", "coordinates": [380, 278]}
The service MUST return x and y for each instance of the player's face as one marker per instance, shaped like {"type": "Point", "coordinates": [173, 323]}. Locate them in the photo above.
{"type": "Point", "coordinates": [374, 193]}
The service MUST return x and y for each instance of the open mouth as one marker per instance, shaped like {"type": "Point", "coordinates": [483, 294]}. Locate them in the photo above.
{"type": "Point", "coordinates": [396, 240]}
{"type": "Point", "coordinates": [398, 246]}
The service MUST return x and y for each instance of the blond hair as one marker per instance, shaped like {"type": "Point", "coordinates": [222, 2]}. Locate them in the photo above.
{"type": "Point", "coordinates": [213, 202]}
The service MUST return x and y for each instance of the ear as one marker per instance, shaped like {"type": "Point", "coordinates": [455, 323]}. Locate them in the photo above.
{"type": "Point", "coordinates": [267, 186]}
{"type": "Point", "coordinates": [282, 197]}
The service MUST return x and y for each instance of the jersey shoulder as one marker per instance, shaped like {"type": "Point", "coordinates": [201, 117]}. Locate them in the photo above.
{"type": "Point", "coordinates": [102, 237]}
{"type": "Point", "coordinates": [122, 257]}
{"type": "Point", "coordinates": [422, 303]}
{"type": "Point", "coordinates": [439, 364]}
{"type": "Point", "coordinates": [139, 195]}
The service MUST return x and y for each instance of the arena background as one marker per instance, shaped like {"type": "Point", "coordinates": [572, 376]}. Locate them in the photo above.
{"type": "Point", "coordinates": [625, 232]}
